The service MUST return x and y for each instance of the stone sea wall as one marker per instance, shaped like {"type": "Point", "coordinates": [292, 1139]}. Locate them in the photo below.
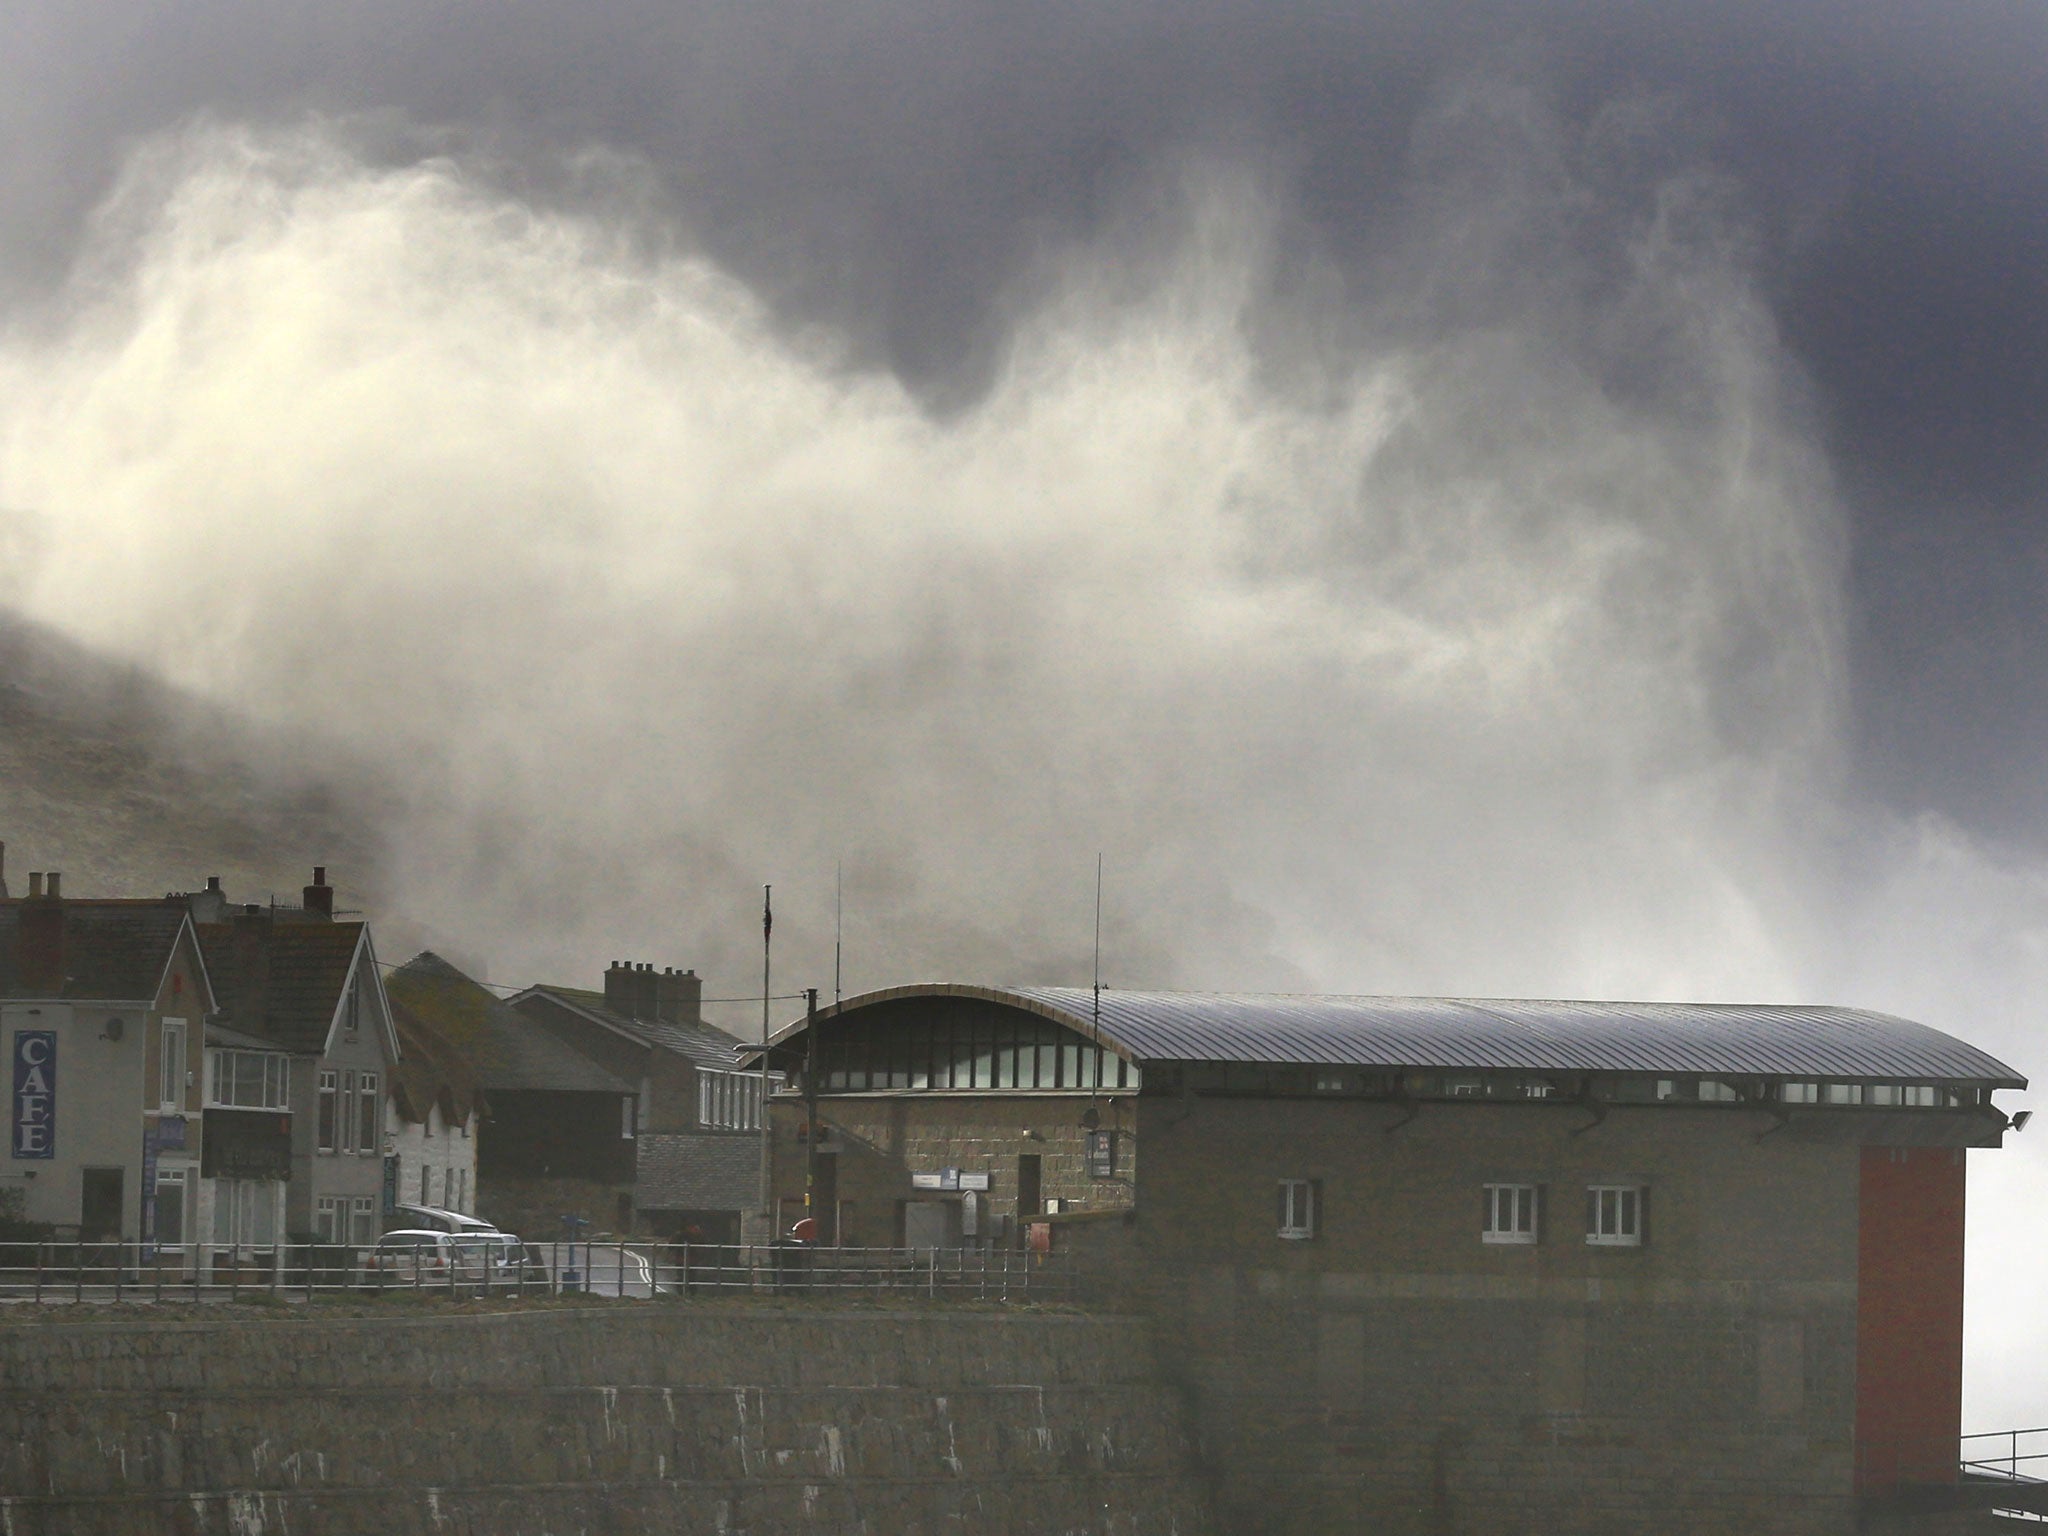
{"type": "Point", "coordinates": [744, 1420]}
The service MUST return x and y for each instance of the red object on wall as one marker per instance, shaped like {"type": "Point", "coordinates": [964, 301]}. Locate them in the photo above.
{"type": "Point", "coordinates": [1909, 1317]}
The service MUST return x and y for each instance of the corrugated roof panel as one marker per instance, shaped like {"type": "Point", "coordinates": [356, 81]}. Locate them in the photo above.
{"type": "Point", "coordinates": [1445, 1032]}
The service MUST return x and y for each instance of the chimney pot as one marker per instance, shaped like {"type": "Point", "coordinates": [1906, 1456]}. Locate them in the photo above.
{"type": "Point", "coordinates": [35, 883]}
{"type": "Point", "coordinates": [54, 879]}
{"type": "Point", "coordinates": [213, 882]}
{"type": "Point", "coordinates": [319, 896]}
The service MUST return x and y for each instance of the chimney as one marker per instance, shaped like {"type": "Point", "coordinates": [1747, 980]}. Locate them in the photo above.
{"type": "Point", "coordinates": [55, 878]}
{"type": "Point", "coordinates": [42, 940]}
{"type": "Point", "coordinates": [209, 905]}
{"type": "Point", "coordinates": [629, 989]}
{"type": "Point", "coordinates": [3, 871]}
{"type": "Point", "coordinates": [678, 997]}
{"type": "Point", "coordinates": [320, 895]}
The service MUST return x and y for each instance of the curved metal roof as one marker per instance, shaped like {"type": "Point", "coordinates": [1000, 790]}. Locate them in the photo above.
{"type": "Point", "coordinates": [1731, 1039]}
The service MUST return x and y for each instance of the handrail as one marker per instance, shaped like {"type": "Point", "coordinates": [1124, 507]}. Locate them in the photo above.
{"type": "Point", "coordinates": [622, 1268]}
{"type": "Point", "coordinates": [2008, 1465]}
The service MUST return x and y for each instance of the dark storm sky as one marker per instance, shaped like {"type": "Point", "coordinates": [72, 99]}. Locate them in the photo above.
{"type": "Point", "coordinates": [893, 169]}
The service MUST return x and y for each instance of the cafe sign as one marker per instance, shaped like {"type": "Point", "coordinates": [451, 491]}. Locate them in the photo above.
{"type": "Point", "coordinates": [35, 1093]}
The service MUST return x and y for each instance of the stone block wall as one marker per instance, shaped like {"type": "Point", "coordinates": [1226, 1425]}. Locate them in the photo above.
{"type": "Point", "coordinates": [880, 1142]}
{"type": "Point", "coordinates": [743, 1419]}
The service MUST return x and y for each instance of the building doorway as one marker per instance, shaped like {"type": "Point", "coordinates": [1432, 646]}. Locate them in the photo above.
{"type": "Point", "coordinates": [172, 1181]}
{"type": "Point", "coordinates": [99, 1206]}
{"type": "Point", "coordinates": [1030, 1201]}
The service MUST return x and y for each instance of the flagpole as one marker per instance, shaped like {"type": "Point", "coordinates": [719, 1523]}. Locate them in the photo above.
{"type": "Point", "coordinates": [767, 931]}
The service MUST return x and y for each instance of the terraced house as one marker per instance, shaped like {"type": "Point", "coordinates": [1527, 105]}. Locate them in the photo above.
{"type": "Point", "coordinates": [301, 1054]}
{"type": "Point", "coordinates": [1438, 1264]}
{"type": "Point", "coordinates": [101, 1010]}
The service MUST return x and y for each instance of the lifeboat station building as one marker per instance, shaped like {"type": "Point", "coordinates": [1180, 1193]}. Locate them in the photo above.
{"type": "Point", "coordinates": [1443, 1265]}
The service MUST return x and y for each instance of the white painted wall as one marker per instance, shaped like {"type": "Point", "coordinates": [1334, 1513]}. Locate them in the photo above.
{"type": "Point", "coordinates": [445, 1153]}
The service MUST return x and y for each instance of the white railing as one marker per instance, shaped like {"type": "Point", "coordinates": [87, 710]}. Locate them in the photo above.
{"type": "Point", "coordinates": [623, 1268]}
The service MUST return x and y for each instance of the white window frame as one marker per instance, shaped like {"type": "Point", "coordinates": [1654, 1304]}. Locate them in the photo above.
{"type": "Point", "coordinates": [1301, 1209]}
{"type": "Point", "coordinates": [1614, 1215]}
{"type": "Point", "coordinates": [330, 1219]}
{"type": "Point", "coordinates": [1512, 1214]}
{"type": "Point", "coordinates": [1842, 1093]}
{"type": "Point", "coordinates": [222, 1062]}
{"type": "Point", "coordinates": [629, 1105]}
{"type": "Point", "coordinates": [235, 1204]}
{"type": "Point", "coordinates": [327, 1112]}
{"type": "Point", "coordinates": [1920, 1096]}
{"type": "Point", "coordinates": [1799, 1093]}
{"type": "Point", "coordinates": [362, 1221]}
{"type": "Point", "coordinates": [370, 1109]}
{"type": "Point", "coordinates": [171, 1067]}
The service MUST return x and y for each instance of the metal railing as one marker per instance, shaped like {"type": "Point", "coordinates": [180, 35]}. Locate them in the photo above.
{"type": "Point", "coordinates": [80, 1272]}
{"type": "Point", "coordinates": [2021, 1447]}
{"type": "Point", "coordinates": [985, 1274]}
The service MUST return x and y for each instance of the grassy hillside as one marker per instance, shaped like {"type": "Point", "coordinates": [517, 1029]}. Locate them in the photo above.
{"type": "Point", "coordinates": [132, 788]}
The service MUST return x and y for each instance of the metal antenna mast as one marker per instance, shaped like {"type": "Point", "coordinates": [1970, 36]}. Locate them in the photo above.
{"type": "Point", "coordinates": [1098, 949]}
{"type": "Point", "coordinates": [838, 913]}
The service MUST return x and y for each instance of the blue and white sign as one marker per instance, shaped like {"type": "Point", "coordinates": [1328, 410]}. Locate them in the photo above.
{"type": "Point", "coordinates": [35, 1093]}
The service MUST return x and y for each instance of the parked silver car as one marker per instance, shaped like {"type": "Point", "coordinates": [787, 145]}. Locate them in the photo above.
{"type": "Point", "coordinates": [434, 1218]}
{"type": "Point", "coordinates": [421, 1258]}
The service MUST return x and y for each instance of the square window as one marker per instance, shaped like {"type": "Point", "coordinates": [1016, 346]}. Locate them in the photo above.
{"type": "Point", "coordinates": [1614, 1215]}
{"type": "Point", "coordinates": [1300, 1208]}
{"type": "Point", "coordinates": [1799, 1093]}
{"type": "Point", "coordinates": [1844, 1093]}
{"type": "Point", "coordinates": [1510, 1214]}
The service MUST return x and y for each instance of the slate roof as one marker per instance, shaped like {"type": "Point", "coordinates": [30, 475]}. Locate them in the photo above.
{"type": "Point", "coordinates": [704, 1044]}
{"type": "Point", "coordinates": [1729, 1039]}
{"type": "Point", "coordinates": [697, 1172]}
{"type": "Point", "coordinates": [282, 981]}
{"type": "Point", "coordinates": [115, 950]}
{"type": "Point", "coordinates": [507, 1050]}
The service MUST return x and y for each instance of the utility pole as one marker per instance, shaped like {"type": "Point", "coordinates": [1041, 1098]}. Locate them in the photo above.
{"type": "Point", "coordinates": [811, 1104]}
